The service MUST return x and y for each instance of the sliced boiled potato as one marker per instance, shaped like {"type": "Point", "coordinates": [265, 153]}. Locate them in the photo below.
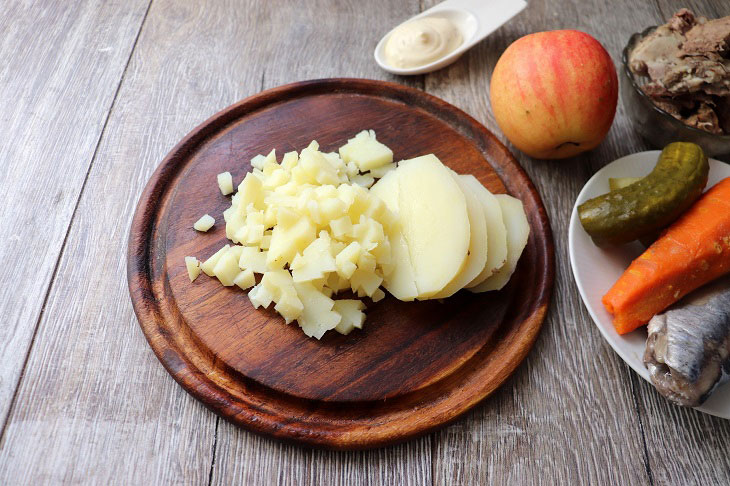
{"type": "Point", "coordinates": [401, 280]}
{"type": "Point", "coordinates": [478, 247]}
{"type": "Point", "coordinates": [496, 232]}
{"type": "Point", "coordinates": [518, 230]}
{"type": "Point", "coordinates": [434, 222]}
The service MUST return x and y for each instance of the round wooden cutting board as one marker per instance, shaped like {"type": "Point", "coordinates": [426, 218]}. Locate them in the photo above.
{"type": "Point", "coordinates": [414, 366]}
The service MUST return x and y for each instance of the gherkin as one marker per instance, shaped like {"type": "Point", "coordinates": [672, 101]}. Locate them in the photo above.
{"type": "Point", "coordinates": [649, 204]}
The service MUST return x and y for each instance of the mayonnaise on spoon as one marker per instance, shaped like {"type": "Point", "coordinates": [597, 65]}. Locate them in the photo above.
{"type": "Point", "coordinates": [421, 41]}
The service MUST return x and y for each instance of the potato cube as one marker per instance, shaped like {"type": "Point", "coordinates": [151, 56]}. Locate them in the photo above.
{"type": "Point", "coordinates": [378, 295]}
{"type": "Point", "coordinates": [351, 314]}
{"type": "Point", "coordinates": [346, 260]}
{"type": "Point", "coordinates": [274, 286]}
{"type": "Point", "coordinates": [366, 152]}
{"type": "Point", "coordinates": [205, 223]}
{"type": "Point", "coordinates": [341, 227]}
{"type": "Point", "coordinates": [315, 261]}
{"type": "Point", "coordinates": [193, 266]}
{"type": "Point", "coordinates": [289, 306]}
{"type": "Point", "coordinates": [245, 279]}
{"type": "Point", "coordinates": [226, 269]}
{"type": "Point", "coordinates": [211, 262]}
{"type": "Point", "coordinates": [365, 281]}
{"type": "Point", "coordinates": [317, 316]}
{"type": "Point", "coordinates": [251, 192]}
{"type": "Point", "coordinates": [225, 183]}
{"type": "Point", "coordinates": [252, 259]}
{"type": "Point", "coordinates": [289, 161]}
{"type": "Point", "coordinates": [289, 238]}
{"type": "Point", "coordinates": [258, 162]}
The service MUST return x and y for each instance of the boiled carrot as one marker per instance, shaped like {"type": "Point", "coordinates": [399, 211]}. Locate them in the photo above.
{"type": "Point", "coordinates": [694, 250]}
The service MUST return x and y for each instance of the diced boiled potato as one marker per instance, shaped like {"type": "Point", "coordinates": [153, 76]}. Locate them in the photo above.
{"type": "Point", "coordinates": [251, 191]}
{"type": "Point", "coordinates": [366, 152]}
{"type": "Point", "coordinates": [265, 241]}
{"type": "Point", "coordinates": [205, 223]}
{"type": "Point", "coordinates": [518, 230]}
{"type": "Point", "coordinates": [290, 236]}
{"type": "Point", "coordinates": [346, 260]}
{"type": "Point", "coordinates": [496, 232]}
{"type": "Point", "coordinates": [315, 261]}
{"type": "Point", "coordinates": [365, 281]}
{"type": "Point", "coordinates": [351, 314]}
{"type": "Point", "coordinates": [378, 295]}
{"type": "Point", "coordinates": [477, 257]}
{"type": "Point", "coordinates": [258, 162]}
{"type": "Point", "coordinates": [253, 259]}
{"type": "Point", "coordinates": [341, 227]}
{"type": "Point", "coordinates": [317, 316]}
{"type": "Point", "coordinates": [193, 266]}
{"type": "Point", "coordinates": [277, 286]}
{"type": "Point", "coordinates": [289, 161]}
{"type": "Point", "coordinates": [289, 306]}
{"type": "Point", "coordinates": [331, 208]}
{"type": "Point", "coordinates": [401, 281]}
{"type": "Point", "coordinates": [225, 183]}
{"type": "Point", "coordinates": [245, 279]}
{"type": "Point", "coordinates": [211, 262]}
{"type": "Point", "coordinates": [226, 269]}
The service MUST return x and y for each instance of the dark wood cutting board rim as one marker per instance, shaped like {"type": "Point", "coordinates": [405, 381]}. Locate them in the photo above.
{"type": "Point", "coordinates": [245, 402]}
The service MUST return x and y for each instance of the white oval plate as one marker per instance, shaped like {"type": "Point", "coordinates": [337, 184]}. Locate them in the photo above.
{"type": "Point", "coordinates": [596, 269]}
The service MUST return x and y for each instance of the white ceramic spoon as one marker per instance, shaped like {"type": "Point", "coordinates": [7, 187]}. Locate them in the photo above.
{"type": "Point", "coordinates": [475, 19]}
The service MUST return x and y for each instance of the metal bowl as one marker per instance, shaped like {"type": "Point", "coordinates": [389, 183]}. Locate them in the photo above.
{"type": "Point", "coordinates": [657, 126]}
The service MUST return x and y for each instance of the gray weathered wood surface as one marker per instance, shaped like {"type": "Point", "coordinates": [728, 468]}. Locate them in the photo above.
{"type": "Point", "coordinates": [93, 95]}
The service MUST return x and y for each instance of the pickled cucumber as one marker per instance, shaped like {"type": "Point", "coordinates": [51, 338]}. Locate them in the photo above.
{"type": "Point", "coordinates": [615, 183]}
{"type": "Point", "coordinates": [647, 205]}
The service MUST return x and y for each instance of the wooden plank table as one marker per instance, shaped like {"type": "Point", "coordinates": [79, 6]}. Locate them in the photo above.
{"type": "Point", "coordinates": [94, 94]}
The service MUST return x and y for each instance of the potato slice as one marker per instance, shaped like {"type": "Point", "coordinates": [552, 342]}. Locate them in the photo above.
{"type": "Point", "coordinates": [518, 230]}
{"type": "Point", "coordinates": [401, 281]}
{"type": "Point", "coordinates": [496, 232]}
{"type": "Point", "coordinates": [478, 248]}
{"type": "Point", "coordinates": [434, 222]}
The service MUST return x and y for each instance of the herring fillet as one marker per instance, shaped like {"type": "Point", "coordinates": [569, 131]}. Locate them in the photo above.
{"type": "Point", "coordinates": [688, 348]}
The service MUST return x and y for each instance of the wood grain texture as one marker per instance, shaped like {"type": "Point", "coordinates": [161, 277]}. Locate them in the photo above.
{"type": "Point", "coordinates": [391, 381]}
{"type": "Point", "coordinates": [573, 412]}
{"type": "Point", "coordinates": [94, 405]}
{"type": "Point", "coordinates": [56, 91]}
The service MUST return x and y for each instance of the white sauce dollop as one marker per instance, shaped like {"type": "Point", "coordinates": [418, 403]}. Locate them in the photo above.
{"type": "Point", "coordinates": [421, 41]}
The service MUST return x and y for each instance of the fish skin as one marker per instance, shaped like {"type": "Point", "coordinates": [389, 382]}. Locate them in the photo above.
{"type": "Point", "coordinates": [688, 347]}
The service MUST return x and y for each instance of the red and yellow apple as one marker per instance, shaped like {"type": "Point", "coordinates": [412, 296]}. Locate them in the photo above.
{"type": "Point", "coordinates": [554, 93]}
